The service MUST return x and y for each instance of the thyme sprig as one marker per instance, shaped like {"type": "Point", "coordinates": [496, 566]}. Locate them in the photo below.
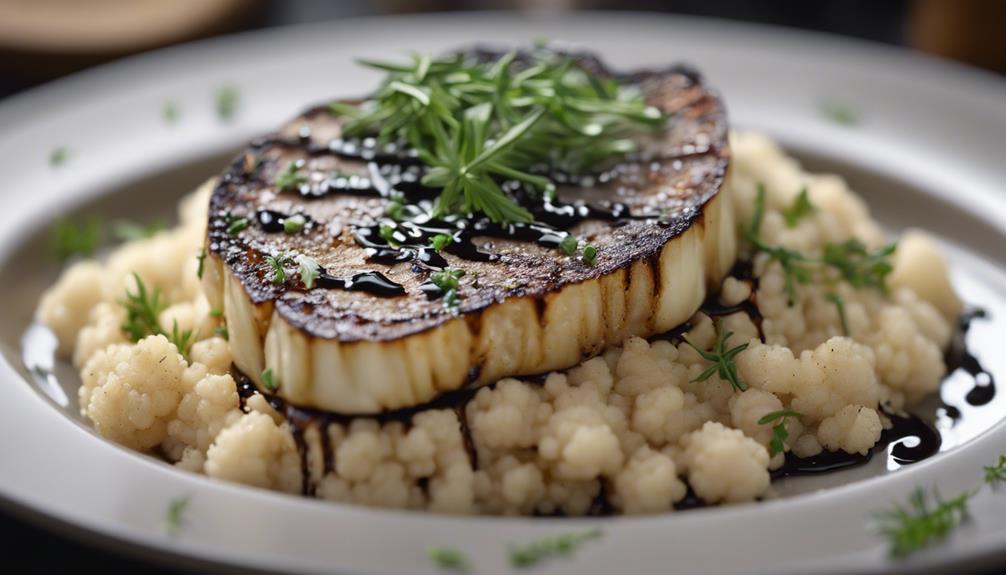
{"type": "Point", "coordinates": [922, 522]}
{"type": "Point", "coordinates": [143, 309]}
{"type": "Point", "coordinates": [854, 262]}
{"type": "Point", "coordinates": [996, 474]}
{"type": "Point", "coordinates": [448, 559]}
{"type": "Point", "coordinates": [530, 554]}
{"type": "Point", "coordinates": [474, 123]}
{"type": "Point", "coordinates": [779, 432]}
{"type": "Point", "coordinates": [722, 359]}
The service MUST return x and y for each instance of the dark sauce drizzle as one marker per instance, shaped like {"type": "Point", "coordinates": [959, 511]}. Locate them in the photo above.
{"type": "Point", "coordinates": [904, 427]}
{"type": "Point", "coordinates": [394, 168]}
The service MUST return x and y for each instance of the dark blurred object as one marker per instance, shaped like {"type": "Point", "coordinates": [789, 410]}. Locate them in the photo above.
{"type": "Point", "coordinates": [970, 31]}
{"type": "Point", "coordinates": [44, 39]}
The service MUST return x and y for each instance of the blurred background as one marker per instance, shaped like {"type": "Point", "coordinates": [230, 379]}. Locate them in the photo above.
{"type": "Point", "coordinates": [41, 40]}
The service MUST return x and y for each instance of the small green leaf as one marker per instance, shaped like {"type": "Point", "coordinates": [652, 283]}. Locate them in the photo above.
{"type": "Point", "coordinates": [589, 255]}
{"type": "Point", "coordinates": [294, 224]}
{"type": "Point", "coordinates": [448, 559]}
{"type": "Point", "coordinates": [227, 100]}
{"type": "Point", "coordinates": [800, 208]}
{"type": "Point", "coordinates": [268, 380]}
{"type": "Point", "coordinates": [568, 245]}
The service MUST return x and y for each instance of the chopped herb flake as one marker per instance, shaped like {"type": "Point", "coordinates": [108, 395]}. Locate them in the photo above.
{"type": "Point", "coordinates": [294, 224]}
{"type": "Point", "coordinates": [290, 177]}
{"type": "Point", "coordinates": [448, 559]}
{"type": "Point", "coordinates": [169, 113]}
{"type": "Point", "coordinates": [58, 156]}
{"type": "Point", "coordinates": [126, 231]}
{"type": "Point", "coordinates": [840, 306]}
{"type": "Point", "coordinates": [568, 245]}
{"type": "Point", "coordinates": [227, 100]}
{"type": "Point", "coordinates": [174, 517]}
{"type": "Point", "coordinates": [201, 258]}
{"type": "Point", "coordinates": [996, 474]}
{"type": "Point", "coordinates": [268, 380]}
{"type": "Point", "coordinates": [309, 270]}
{"type": "Point", "coordinates": [76, 239]}
{"type": "Point", "coordinates": [441, 241]}
{"type": "Point", "coordinates": [522, 556]}
{"type": "Point", "coordinates": [800, 208]}
{"type": "Point", "coordinates": [589, 256]}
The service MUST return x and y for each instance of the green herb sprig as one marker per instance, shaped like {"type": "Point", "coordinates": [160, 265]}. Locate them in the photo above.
{"type": "Point", "coordinates": [475, 122]}
{"type": "Point", "coordinates": [71, 239]}
{"type": "Point", "coordinates": [309, 270]}
{"type": "Point", "coordinates": [142, 310]}
{"type": "Point", "coordinates": [174, 516]}
{"type": "Point", "coordinates": [277, 267]}
{"type": "Point", "coordinates": [839, 302]}
{"type": "Point", "coordinates": [126, 231]}
{"type": "Point", "coordinates": [448, 559]}
{"type": "Point", "coordinates": [779, 433]}
{"type": "Point", "coordinates": [996, 474]}
{"type": "Point", "coordinates": [269, 381]}
{"type": "Point", "coordinates": [800, 208]}
{"type": "Point", "coordinates": [921, 523]}
{"type": "Point", "coordinates": [447, 281]}
{"type": "Point", "coordinates": [290, 177]}
{"type": "Point", "coordinates": [722, 359]}
{"type": "Point", "coordinates": [522, 556]}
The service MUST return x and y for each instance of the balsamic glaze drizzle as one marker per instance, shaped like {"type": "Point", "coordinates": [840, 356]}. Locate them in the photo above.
{"type": "Point", "coordinates": [909, 439]}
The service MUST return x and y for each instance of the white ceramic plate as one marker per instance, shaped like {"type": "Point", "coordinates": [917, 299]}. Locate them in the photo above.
{"type": "Point", "coordinates": [929, 151]}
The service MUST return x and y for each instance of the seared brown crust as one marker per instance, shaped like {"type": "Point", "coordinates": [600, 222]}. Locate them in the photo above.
{"type": "Point", "coordinates": [677, 173]}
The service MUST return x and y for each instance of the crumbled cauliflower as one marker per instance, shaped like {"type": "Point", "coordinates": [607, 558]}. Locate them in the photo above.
{"type": "Point", "coordinates": [256, 451]}
{"type": "Point", "coordinates": [631, 426]}
{"type": "Point", "coordinates": [724, 465]}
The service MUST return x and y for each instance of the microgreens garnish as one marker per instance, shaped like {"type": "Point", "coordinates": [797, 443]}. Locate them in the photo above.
{"type": "Point", "coordinates": [277, 266]}
{"type": "Point", "coordinates": [309, 270]}
{"type": "Point", "coordinates": [142, 311]}
{"type": "Point", "coordinates": [169, 113]}
{"type": "Point", "coordinates": [800, 207]}
{"type": "Point", "coordinates": [447, 282]}
{"type": "Point", "coordinates": [722, 359]}
{"type": "Point", "coordinates": [589, 256]}
{"type": "Point", "coordinates": [58, 156]}
{"type": "Point", "coordinates": [568, 245]}
{"type": "Point", "coordinates": [173, 517]}
{"type": "Point", "coordinates": [441, 241]}
{"type": "Point", "coordinates": [227, 102]}
{"type": "Point", "coordinates": [475, 122]}
{"type": "Point", "coordinates": [779, 432]}
{"type": "Point", "coordinates": [548, 547]}
{"type": "Point", "coordinates": [76, 239]}
{"type": "Point", "coordinates": [448, 559]}
{"type": "Point", "coordinates": [996, 474]}
{"type": "Point", "coordinates": [919, 524]}
{"type": "Point", "coordinates": [235, 224]}
{"type": "Point", "coordinates": [290, 177]}
{"type": "Point", "coordinates": [182, 339]}
{"type": "Point", "coordinates": [201, 258]}
{"type": "Point", "coordinates": [126, 231]}
{"type": "Point", "coordinates": [840, 306]}
{"type": "Point", "coordinates": [294, 224]}
{"type": "Point", "coordinates": [268, 380]}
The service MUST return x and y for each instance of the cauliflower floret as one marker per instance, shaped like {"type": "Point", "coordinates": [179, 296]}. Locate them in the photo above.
{"type": "Point", "coordinates": [131, 392]}
{"type": "Point", "coordinates": [906, 360]}
{"type": "Point", "coordinates": [210, 406]}
{"type": "Point", "coordinates": [724, 465]}
{"type": "Point", "coordinates": [854, 429]}
{"type": "Point", "coordinates": [507, 416]}
{"type": "Point", "coordinates": [66, 306]}
{"type": "Point", "coordinates": [648, 484]}
{"type": "Point", "coordinates": [104, 327]}
{"type": "Point", "coordinates": [256, 451]}
{"type": "Point", "coordinates": [837, 373]}
{"type": "Point", "coordinates": [749, 407]}
{"type": "Point", "coordinates": [920, 266]}
{"type": "Point", "coordinates": [214, 353]}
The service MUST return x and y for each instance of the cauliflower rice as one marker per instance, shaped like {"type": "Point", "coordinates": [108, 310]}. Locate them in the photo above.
{"type": "Point", "coordinates": [631, 424]}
